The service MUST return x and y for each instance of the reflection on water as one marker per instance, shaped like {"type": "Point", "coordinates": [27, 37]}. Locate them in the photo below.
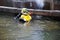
{"type": "Point", "coordinates": [38, 29]}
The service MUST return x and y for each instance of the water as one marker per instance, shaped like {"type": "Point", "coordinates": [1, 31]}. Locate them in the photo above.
{"type": "Point", "coordinates": [10, 29]}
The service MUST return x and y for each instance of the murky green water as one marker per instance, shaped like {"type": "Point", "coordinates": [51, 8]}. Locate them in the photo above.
{"type": "Point", "coordinates": [10, 29]}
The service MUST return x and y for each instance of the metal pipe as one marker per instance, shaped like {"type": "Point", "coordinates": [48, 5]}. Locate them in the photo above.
{"type": "Point", "coordinates": [14, 8]}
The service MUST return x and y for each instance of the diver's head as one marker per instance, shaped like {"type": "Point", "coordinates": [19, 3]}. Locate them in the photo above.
{"type": "Point", "coordinates": [24, 10]}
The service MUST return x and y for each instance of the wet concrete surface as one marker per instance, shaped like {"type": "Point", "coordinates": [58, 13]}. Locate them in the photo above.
{"type": "Point", "coordinates": [10, 29]}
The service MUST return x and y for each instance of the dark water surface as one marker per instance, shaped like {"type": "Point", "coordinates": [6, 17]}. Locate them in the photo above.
{"type": "Point", "coordinates": [37, 30]}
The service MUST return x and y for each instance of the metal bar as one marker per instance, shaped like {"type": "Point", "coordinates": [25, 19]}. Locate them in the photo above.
{"type": "Point", "coordinates": [37, 10]}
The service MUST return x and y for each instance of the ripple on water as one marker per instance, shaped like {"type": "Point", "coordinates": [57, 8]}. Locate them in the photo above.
{"type": "Point", "coordinates": [38, 30]}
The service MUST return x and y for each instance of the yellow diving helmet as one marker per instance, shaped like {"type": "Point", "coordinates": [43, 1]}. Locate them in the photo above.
{"type": "Point", "coordinates": [24, 10]}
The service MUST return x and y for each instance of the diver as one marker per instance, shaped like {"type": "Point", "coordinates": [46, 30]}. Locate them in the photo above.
{"type": "Point", "coordinates": [26, 16]}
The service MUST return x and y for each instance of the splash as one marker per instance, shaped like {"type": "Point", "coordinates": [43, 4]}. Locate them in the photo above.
{"type": "Point", "coordinates": [40, 3]}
